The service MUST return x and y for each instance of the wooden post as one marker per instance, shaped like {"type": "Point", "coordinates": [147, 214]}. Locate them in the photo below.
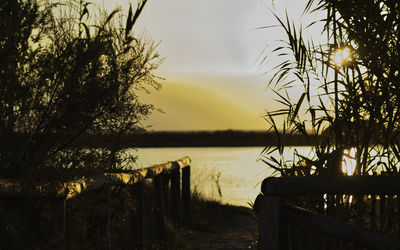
{"type": "Point", "coordinates": [176, 194]}
{"type": "Point", "coordinates": [167, 198]}
{"type": "Point", "coordinates": [396, 214]}
{"type": "Point", "coordinates": [382, 212]}
{"type": "Point", "coordinates": [325, 225]}
{"type": "Point", "coordinates": [60, 209]}
{"type": "Point", "coordinates": [284, 239]}
{"type": "Point", "coordinates": [372, 213]}
{"type": "Point", "coordinates": [137, 192]}
{"type": "Point", "coordinates": [159, 206]}
{"type": "Point", "coordinates": [186, 194]}
{"type": "Point", "coordinates": [108, 218]}
{"type": "Point", "coordinates": [102, 219]}
{"type": "Point", "coordinates": [268, 238]}
{"type": "Point", "coordinates": [186, 200]}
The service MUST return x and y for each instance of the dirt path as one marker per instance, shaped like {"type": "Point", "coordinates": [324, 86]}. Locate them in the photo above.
{"type": "Point", "coordinates": [236, 228]}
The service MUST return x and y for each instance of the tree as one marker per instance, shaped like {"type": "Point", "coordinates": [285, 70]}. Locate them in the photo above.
{"type": "Point", "coordinates": [63, 75]}
{"type": "Point", "coordinates": [341, 106]}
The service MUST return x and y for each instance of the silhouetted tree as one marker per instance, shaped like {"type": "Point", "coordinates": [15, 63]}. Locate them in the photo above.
{"type": "Point", "coordinates": [64, 74]}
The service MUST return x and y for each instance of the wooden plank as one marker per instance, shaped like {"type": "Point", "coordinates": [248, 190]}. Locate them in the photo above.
{"type": "Point", "coordinates": [176, 194]}
{"type": "Point", "coordinates": [291, 186]}
{"type": "Point", "coordinates": [137, 192]}
{"type": "Point", "coordinates": [331, 227]}
{"type": "Point", "coordinates": [268, 208]}
{"type": "Point", "coordinates": [284, 239]}
{"type": "Point", "coordinates": [71, 189]}
{"type": "Point", "coordinates": [167, 194]}
{"type": "Point", "coordinates": [159, 206]}
{"type": "Point", "coordinates": [59, 207]}
{"type": "Point", "coordinates": [186, 200]}
{"type": "Point", "coordinates": [102, 218]}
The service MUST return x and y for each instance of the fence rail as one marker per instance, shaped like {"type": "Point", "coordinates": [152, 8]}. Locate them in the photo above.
{"type": "Point", "coordinates": [170, 180]}
{"type": "Point", "coordinates": [273, 209]}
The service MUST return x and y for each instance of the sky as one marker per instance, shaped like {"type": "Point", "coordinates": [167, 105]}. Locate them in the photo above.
{"type": "Point", "coordinates": [213, 77]}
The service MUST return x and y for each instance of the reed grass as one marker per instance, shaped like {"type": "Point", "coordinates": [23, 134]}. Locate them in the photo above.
{"type": "Point", "coordinates": [351, 106]}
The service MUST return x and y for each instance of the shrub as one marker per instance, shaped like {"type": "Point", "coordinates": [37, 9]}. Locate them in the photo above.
{"type": "Point", "coordinates": [64, 74]}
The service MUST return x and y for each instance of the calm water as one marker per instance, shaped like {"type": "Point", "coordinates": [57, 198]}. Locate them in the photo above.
{"type": "Point", "coordinates": [235, 170]}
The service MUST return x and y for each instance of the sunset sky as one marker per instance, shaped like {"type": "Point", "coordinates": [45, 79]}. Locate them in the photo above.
{"type": "Point", "coordinates": [211, 47]}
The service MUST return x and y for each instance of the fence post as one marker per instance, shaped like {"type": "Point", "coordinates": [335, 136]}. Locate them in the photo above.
{"type": "Point", "coordinates": [108, 217]}
{"type": "Point", "coordinates": [102, 219]}
{"type": "Point", "coordinates": [176, 194]}
{"type": "Point", "coordinates": [58, 221]}
{"type": "Point", "coordinates": [269, 223]}
{"type": "Point", "coordinates": [186, 194]}
{"type": "Point", "coordinates": [160, 207]}
{"type": "Point", "coordinates": [137, 192]}
{"type": "Point", "coordinates": [167, 194]}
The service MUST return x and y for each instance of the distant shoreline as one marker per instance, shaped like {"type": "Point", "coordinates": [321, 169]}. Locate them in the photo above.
{"type": "Point", "coordinates": [222, 138]}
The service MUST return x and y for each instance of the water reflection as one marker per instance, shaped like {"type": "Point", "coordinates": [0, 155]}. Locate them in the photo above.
{"type": "Point", "coordinates": [231, 175]}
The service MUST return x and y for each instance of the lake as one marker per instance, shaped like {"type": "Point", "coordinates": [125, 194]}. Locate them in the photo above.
{"type": "Point", "coordinates": [235, 171]}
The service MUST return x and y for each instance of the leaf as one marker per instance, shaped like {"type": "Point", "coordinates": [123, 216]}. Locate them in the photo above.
{"type": "Point", "coordinates": [298, 105]}
{"type": "Point", "coordinates": [112, 14]}
{"type": "Point", "coordinates": [272, 165]}
{"type": "Point", "coordinates": [129, 23]}
{"type": "Point", "coordinates": [86, 30]}
{"type": "Point", "coordinates": [84, 12]}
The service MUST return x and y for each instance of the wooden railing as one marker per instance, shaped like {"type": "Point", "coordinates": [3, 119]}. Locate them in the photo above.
{"type": "Point", "coordinates": [274, 210]}
{"type": "Point", "coordinates": [171, 184]}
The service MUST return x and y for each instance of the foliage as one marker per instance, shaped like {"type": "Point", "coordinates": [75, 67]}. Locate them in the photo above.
{"type": "Point", "coordinates": [66, 73]}
{"type": "Point", "coordinates": [352, 106]}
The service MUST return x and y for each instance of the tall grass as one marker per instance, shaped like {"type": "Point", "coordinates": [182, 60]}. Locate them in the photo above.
{"type": "Point", "coordinates": [353, 105]}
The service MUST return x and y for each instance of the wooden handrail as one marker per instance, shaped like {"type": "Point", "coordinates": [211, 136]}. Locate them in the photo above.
{"type": "Point", "coordinates": [334, 228]}
{"type": "Point", "coordinates": [299, 185]}
{"type": "Point", "coordinates": [73, 188]}
{"type": "Point", "coordinates": [272, 209]}
{"type": "Point", "coordinates": [167, 179]}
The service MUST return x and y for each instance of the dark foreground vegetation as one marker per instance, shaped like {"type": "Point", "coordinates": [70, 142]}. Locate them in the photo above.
{"type": "Point", "coordinates": [348, 91]}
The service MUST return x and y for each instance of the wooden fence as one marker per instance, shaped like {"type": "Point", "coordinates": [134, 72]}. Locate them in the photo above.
{"type": "Point", "coordinates": [171, 183]}
{"type": "Point", "coordinates": [275, 211]}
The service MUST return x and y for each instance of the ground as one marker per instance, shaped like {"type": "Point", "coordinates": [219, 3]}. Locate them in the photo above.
{"type": "Point", "coordinates": [224, 227]}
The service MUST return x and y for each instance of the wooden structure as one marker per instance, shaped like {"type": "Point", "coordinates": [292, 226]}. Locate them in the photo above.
{"type": "Point", "coordinates": [166, 178]}
{"type": "Point", "coordinates": [274, 210]}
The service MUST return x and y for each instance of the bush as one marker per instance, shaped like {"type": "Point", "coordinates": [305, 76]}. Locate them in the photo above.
{"type": "Point", "coordinates": [65, 74]}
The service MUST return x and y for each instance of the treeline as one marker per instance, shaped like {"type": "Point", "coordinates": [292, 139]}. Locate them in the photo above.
{"type": "Point", "coordinates": [224, 138]}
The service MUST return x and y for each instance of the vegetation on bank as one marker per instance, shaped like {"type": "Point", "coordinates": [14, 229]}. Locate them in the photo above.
{"type": "Point", "coordinates": [223, 138]}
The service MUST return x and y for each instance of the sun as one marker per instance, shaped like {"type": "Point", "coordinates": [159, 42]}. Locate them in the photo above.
{"type": "Point", "coordinates": [341, 56]}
